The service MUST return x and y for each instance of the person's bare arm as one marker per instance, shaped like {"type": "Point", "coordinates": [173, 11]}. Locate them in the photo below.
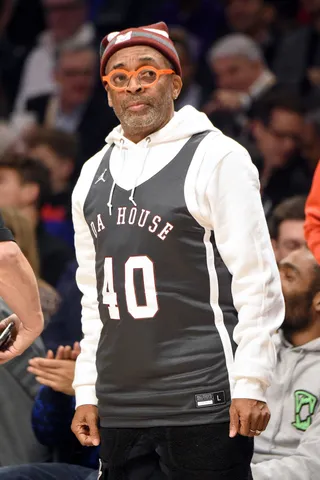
{"type": "Point", "coordinates": [18, 288]}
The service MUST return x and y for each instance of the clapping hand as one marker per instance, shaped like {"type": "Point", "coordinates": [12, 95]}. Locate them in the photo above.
{"type": "Point", "coordinates": [56, 372]}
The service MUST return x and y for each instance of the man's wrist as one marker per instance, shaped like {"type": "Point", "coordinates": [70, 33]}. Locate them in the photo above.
{"type": "Point", "coordinates": [248, 388]}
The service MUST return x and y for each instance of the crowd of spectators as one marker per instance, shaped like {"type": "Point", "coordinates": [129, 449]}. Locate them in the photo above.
{"type": "Point", "coordinates": [253, 66]}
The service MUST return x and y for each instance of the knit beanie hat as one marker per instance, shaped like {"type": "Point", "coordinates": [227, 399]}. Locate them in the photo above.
{"type": "Point", "coordinates": [155, 36]}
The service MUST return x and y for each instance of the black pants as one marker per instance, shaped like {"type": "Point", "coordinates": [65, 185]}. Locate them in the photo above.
{"type": "Point", "coordinates": [201, 452]}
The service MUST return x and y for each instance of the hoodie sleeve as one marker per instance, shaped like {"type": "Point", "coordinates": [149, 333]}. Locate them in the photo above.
{"type": "Point", "coordinates": [312, 222]}
{"type": "Point", "coordinates": [86, 373]}
{"type": "Point", "coordinates": [237, 218]}
{"type": "Point", "coordinates": [303, 464]}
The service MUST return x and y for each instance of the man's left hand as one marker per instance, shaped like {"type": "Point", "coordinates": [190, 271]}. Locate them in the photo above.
{"type": "Point", "coordinates": [248, 417]}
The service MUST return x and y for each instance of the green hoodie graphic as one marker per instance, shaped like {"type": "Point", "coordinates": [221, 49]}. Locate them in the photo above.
{"type": "Point", "coordinates": [303, 398]}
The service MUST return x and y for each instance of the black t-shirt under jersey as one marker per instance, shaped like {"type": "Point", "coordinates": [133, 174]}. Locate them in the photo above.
{"type": "Point", "coordinates": [5, 234]}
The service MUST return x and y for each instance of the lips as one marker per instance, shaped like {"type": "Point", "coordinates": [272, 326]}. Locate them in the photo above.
{"type": "Point", "coordinates": [136, 104]}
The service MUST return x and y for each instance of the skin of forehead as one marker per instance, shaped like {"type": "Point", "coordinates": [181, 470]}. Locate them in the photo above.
{"type": "Point", "coordinates": [302, 260]}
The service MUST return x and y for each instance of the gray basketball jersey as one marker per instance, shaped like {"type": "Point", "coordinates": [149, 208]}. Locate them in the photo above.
{"type": "Point", "coordinates": [160, 359]}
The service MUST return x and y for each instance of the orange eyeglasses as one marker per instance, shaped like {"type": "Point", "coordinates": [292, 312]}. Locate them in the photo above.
{"type": "Point", "coordinates": [147, 76]}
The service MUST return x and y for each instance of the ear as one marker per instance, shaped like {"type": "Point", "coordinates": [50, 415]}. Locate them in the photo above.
{"type": "Point", "coordinates": [109, 97]}
{"type": "Point", "coordinates": [176, 86]}
{"type": "Point", "coordinates": [316, 302]}
{"type": "Point", "coordinates": [30, 193]}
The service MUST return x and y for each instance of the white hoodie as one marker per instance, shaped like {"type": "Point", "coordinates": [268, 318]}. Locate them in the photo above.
{"type": "Point", "coordinates": [222, 194]}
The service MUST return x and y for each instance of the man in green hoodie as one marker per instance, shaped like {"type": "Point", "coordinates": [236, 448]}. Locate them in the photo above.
{"type": "Point", "coordinates": [289, 448]}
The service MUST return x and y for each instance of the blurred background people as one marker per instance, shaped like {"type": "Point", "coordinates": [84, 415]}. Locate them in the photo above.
{"type": "Point", "coordinates": [241, 77]}
{"type": "Point", "coordinates": [24, 235]}
{"type": "Point", "coordinates": [77, 107]}
{"type": "Point", "coordinates": [58, 151]}
{"type": "Point", "coordinates": [277, 124]}
{"type": "Point", "coordinates": [25, 184]}
{"type": "Point", "coordinates": [289, 448]}
{"type": "Point", "coordinates": [286, 226]}
{"type": "Point", "coordinates": [297, 62]}
{"type": "Point", "coordinates": [257, 19]}
{"type": "Point", "coordinates": [252, 65]}
{"type": "Point", "coordinates": [66, 24]}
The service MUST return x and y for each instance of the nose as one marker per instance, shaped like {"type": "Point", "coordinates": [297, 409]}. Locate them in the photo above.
{"type": "Point", "coordinates": [134, 86]}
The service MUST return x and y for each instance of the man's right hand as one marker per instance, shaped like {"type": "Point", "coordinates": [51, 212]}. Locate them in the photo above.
{"type": "Point", "coordinates": [85, 425]}
{"type": "Point", "coordinates": [21, 338]}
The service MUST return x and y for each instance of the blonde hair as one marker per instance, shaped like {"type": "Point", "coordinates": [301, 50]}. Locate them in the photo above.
{"type": "Point", "coordinates": [24, 235]}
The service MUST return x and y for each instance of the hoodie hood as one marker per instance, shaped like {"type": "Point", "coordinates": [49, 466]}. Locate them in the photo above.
{"type": "Point", "coordinates": [313, 346]}
{"type": "Point", "coordinates": [185, 123]}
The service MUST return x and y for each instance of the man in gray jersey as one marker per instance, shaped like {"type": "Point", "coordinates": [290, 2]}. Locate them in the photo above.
{"type": "Point", "coordinates": [181, 293]}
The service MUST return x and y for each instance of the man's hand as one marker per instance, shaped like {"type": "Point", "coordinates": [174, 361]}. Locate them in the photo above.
{"type": "Point", "coordinates": [248, 417]}
{"type": "Point", "coordinates": [21, 338]}
{"type": "Point", "coordinates": [229, 100]}
{"type": "Point", "coordinates": [85, 425]}
{"type": "Point", "coordinates": [56, 373]}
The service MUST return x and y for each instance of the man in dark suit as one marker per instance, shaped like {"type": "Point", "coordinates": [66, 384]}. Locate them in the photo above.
{"type": "Point", "coordinates": [242, 78]}
{"type": "Point", "coordinates": [77, 107]}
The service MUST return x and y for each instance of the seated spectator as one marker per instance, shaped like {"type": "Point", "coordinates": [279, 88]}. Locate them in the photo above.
{"type": "Point", "coordinates": [289, 448]}
{"type": "Point", "coordinates": [286, 226]}
{"type": "Point", "coordinates": [298, 57]}
{"type": "Point", "coordinates": [52, 415]}
{"type": "Point", "coordinates": [58, 151]}
{"type": "Point", "coordinates": [26, 23]}
{"type": "Point", "coordinates": [312, 223]}
{"type": "Point", "coordinates": [51, 420]}
{"type": "Point", "coordinates": [9, 140]}
{"type": "Point", "coordinates": [204, 19]}
{"type": "Point", "coordinates": [256, 19]}
{"type": "Point", "coordinates": [277, 124]}
{"type": "Point", "coordinates": [24, 235]}
{"type": "Point", "coordinates": [310, 146]}
{"type": "Point", "coordinates": [18, 443]}
{"type": "Point", "coordinates": [77, 107]}
{"type": "Point", "coordinates": [11, 61]}
{"type": "Point", "coordinates": [66, 25]}
{"type": "Point", "coordinates": [191, 93]}
{"type": "Point", "coordinates": [242, 78]}
{"type": "Point", "coordinates": [25, 184]}
{"type": "Point", "coordinates": [65, 325]}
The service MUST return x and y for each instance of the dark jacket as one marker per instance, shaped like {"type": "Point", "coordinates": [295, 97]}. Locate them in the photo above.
{"type": "Point", "coordinates": [96, 123]}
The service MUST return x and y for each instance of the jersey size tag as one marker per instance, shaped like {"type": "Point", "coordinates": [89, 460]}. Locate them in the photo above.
{"type": "Point", "coordinates": [210, 399]}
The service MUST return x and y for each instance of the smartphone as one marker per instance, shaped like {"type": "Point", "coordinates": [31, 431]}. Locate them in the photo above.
{"type": "Point", "coordinates": [5, 336]}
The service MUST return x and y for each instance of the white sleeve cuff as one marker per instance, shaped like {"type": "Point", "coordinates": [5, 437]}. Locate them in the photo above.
{"type": "Point", "coordinates": [247, 388]}
{"type": "Point", "coordinates": [86, 395]}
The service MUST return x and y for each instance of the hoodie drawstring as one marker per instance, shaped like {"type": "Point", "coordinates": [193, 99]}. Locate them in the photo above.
{"type": "Point", "coordinates": [131, 197]}
{"type": "Point", "coordinates": [109, 204]}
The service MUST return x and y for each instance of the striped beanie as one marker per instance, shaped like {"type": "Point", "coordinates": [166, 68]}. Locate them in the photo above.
{"type": "Point", "coordinates": [155, 36]}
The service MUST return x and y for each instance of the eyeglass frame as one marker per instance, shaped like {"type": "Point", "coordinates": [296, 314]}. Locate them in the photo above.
{"type": "Point", "coordinates": [134, 74]}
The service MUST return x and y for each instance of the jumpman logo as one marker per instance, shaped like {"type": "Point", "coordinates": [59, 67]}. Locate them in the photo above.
{"type": "Point", "coordinates": [101, 178]}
